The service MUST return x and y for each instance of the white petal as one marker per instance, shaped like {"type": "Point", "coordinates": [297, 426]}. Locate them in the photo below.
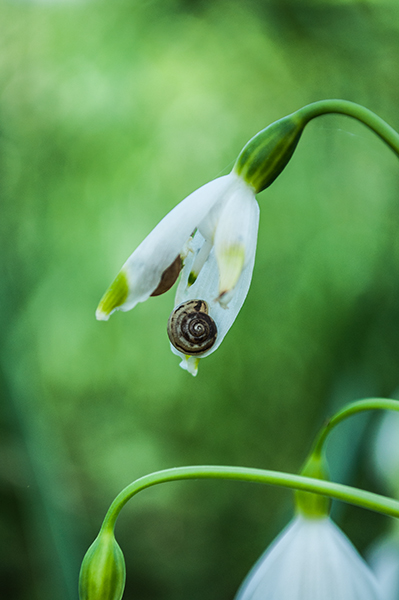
{"type": "Point", "coordinates": [144, 268]}
{"type": "Point", "coordinates": [384, 562]}
{"type": "Point", "coordinates": [310, 560]}
{"type": "Point", "coordinates": [209, 224]}
{"type": "Point", "coordinates": [238, 219]}
{"type": "Point", "coordinates": [190, 364]}
{"type": "Point", "coordinates": [236, 236]}
{"type": "Point", "coordinates": [200, 259]}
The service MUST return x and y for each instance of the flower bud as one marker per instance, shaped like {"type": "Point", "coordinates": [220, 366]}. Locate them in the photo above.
{"type": "Point", "coordinates": [264, 157]}
{"type": "Point", "coordinates": [102, 574]}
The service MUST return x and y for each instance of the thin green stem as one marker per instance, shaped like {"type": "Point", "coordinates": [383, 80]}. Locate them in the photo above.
{"type": "Point", "coordinates": [356, 111]}
{"type": "Point", "coordinates": [361, 498]}
{"type": "Point", "coordinates": [349, 410]}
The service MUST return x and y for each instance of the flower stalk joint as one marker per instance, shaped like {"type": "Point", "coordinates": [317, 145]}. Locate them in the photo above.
{"type": "Point", "coordinates": [309, 504]}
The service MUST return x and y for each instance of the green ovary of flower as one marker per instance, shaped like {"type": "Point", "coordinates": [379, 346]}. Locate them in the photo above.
{"type": "Point", "coordinates": [266, 155]}
{"type": "Point", "coordinates": [308, 504]}
{"type": "Point", "coordinates": [102, 574]}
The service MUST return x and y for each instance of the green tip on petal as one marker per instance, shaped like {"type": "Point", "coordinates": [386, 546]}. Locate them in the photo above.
{"type": "Point", "coordinates": [192, 278]}
{"type": "Point", "coordinates": [231, 263]}
{"type": "Point", "coordinates": [113, 298]}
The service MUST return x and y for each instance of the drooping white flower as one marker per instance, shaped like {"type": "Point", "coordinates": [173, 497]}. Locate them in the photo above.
{"type": "Point", "coordinates": [217, 260]}
{"type": "Point", "coordinates": [311, 559]}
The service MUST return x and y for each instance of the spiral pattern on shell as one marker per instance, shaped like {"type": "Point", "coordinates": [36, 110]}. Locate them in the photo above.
{"type": "Point", "coordinates": [190, 328]}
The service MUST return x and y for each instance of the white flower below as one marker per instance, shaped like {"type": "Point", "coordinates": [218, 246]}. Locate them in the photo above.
{"type": "Point", "coordinates": [384, 562]}
{"type": "Point", "coordinates": [311, 559]}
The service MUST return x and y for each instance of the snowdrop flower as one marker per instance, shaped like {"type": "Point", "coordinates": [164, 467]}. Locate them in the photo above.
{"type": "Point", "coordinates": [310, 560]}
{"type": "Point", "coordinates": [217, 260]}
{"type": "Point", "coordinates": [211, 235]}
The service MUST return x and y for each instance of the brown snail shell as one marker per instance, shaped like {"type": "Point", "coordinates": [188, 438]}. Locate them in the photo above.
{"type": "Point", "coordinates": [190, 328]}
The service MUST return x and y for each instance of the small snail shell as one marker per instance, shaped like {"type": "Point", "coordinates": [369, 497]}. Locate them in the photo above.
{"type": "Point", "coordinates": [190, 329]}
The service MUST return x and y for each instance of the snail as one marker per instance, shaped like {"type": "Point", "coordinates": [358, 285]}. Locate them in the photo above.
{"type": "Point", "coordinates": [190, 328]}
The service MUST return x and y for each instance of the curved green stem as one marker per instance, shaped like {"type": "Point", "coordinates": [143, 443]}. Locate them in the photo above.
{"type": "Point", "coordinates": [267, 154]}
{"type": "Point", "coordinates": [356, 111]}
{"type": "Point", "coordinates": [349, 410]}
{"type": "Point", "coordinates": [361, 498]}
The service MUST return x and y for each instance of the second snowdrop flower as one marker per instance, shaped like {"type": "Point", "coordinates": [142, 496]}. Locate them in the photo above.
{"type": "Point", "coordinates": [311, 559]}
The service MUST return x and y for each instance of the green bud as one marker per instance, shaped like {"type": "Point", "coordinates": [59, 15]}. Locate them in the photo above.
{"type": "Point", "coordinates": [102, 574]}
{"type": "Point", "coordinates": [308, 503]}
{"type": "Point", "coordinates": [264, 157]}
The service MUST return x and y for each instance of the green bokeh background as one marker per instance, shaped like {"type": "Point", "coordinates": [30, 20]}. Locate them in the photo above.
{"type": "Point", "coordinates": [111, 113]}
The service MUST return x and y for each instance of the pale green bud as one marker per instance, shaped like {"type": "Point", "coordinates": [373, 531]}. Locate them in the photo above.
{"type": "Point", "coordinates": [102, 574]}
{"type": "Point", "coordinates": [264, 157]}
{"type": "Point", "coordinates": [308, 503]}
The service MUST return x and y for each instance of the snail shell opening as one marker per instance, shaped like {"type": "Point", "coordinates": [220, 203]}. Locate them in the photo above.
{"type": "Point", "coordinates": [190, 328]}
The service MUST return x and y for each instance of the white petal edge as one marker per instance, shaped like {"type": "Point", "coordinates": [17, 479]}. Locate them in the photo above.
{"type": "Point", "coordinates": [384, 561]}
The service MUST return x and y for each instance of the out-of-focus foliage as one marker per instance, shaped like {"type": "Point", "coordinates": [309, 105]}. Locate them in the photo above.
{"type": "Point", "coordinates": [111, 113]}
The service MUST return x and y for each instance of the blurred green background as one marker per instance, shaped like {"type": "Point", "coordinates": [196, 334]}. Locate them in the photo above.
{"type": "Point", "coordinates": [111, 113]}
